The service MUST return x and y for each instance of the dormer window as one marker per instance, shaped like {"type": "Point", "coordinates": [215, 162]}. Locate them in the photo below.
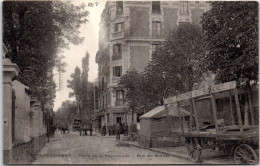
{"type": "Point", "coordinates": [156, 7]}
{"type": "Point", "coordinates": [119, 7]}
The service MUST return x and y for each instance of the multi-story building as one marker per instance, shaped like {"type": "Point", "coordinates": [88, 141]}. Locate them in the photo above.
{"type": "Point", "coordinates": [129, 32]}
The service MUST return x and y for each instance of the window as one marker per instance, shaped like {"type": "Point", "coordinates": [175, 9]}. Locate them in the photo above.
{"type": "Point", "coordinates": [156, 29]}
{"type": "Point", "coordinates": [117, 71]}
{"type": "Point", "coordinates": [119, 97]}
{"type": "Point", "coordinates": [117, 52]}
{"type": "Point", "coordinates": [119, 27]}
{"type": "Point", "coordinates": [184, 10]}
{"type": "Point", "coordinates": [119, 7]}
{"type": "Point", "coordinates": [197, 4]}
{"type": "Point", "coordinates": [156, 7]}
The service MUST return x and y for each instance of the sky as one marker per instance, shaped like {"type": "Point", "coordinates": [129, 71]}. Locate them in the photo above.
{"type": "Point", "coordinates": [75, 53]}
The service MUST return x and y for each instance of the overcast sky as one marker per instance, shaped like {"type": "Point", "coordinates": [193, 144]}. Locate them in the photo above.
{"type": "Point", "coordinates": [74, 55]}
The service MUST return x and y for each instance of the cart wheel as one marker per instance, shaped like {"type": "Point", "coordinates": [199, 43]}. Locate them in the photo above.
{"type": "Point", "coordinates": [244, 154]}
{"type": "Point", "coordinates": [193, 151]}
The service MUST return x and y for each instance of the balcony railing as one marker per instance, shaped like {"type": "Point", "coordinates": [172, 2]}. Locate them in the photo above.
{"type": "Point", "coordinates": [116, 35]}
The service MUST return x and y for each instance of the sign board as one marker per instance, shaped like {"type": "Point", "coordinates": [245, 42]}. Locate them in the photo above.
{"type": "Point", "coordinates": [223, 87]}
{"type": "Point", "coordinates": [200, 92]}
{"type": "Point", "coordinates": [184, 96]}
{"type": "Point", "coordinates": [170, 100]}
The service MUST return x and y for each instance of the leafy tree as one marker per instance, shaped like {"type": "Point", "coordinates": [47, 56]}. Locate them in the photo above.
{"type": "Point", "coordinates": [65, 114]}
{"type": "Point", "coordinates": [174, 69]}
{"type": "Point", "coordinates": [33, 32]}
{"type": "Point", "coordinates": [83, 89]}
{"type": "Point", "coordinates": [75, 83]}
{"type": "Point", "coordinates": [84, 79]}
{"type": "Point", "coordinates": [231, 33]}
{"type": "Point", "coordinates": [133, 82]}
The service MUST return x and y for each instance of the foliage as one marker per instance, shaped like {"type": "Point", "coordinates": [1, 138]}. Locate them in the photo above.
{"type": "Point", "coordinates": [173, 69]}
{"type": "Point", "coordinates": [33, 32]}
{"type": "Point", "coordinates": [83, 89]}
{"type": "Point", "coordinates": [132, 81]}
{"type": "Point", "coordinates": [75, 83]}
{"type": "Point", "coordinates": [65, 115]}
{"type": "Point", "coordinates": [231, 32]}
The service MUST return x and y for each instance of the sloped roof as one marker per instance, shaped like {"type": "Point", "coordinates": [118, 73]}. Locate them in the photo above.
{"type": "Point", "coordinates": [153, 112]}
{"type": "Point", "coordinates": [160, 112]}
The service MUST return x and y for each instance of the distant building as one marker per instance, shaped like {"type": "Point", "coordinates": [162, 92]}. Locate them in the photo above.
{"type": "Point", "coordinates": [129, 32]}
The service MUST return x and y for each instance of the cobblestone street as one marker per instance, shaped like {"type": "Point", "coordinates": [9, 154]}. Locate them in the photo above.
{"type": "Point", "coordinates": [74, 149]}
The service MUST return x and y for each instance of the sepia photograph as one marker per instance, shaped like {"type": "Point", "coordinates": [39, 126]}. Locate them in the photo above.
{"type": "Point", "coordinates": [130, 82]}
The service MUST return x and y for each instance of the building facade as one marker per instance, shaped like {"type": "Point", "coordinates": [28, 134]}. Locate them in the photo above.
{"type": "Point", "coordinates": [129, 32]}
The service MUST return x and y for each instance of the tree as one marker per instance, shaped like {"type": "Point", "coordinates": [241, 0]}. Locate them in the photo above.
{"type": "Point", "coordinates": [65, 114]}
{"type": "Point", "coordinates": [33, 32]}
{"type": "Point", "coordinates": [174, 69]}
{"type": "Point", "coordinates": [84, 79]}
{"type": "Point", "coordinates": [83, 90]}
{"type": "Point", "coordinates": [75, 84]}
{"type": "Point", "coordinates": [133, 83]}
{"type": "Point", "coordinates": [231, 33]}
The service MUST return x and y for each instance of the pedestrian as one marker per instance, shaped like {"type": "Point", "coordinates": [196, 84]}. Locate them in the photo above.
{"type": "Point", "coordinates": [80, 129]}
{"type": "Point", "coordinates": [103, 132]}
{"type": "Point", "coordinates": [118, 131]}
{"type": "Point", "coordinates": [125, 127]}
{"type": "Point", "coordinates": [109, 129]}
{"type": "Point", "coordinates": [114, 129]}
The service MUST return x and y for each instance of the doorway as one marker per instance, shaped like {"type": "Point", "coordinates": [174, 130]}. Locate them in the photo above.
{"type": "Point", "coordinates": [119, 120]}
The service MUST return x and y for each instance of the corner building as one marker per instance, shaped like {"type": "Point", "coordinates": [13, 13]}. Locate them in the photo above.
{"type": "Point", "coordinates": [129, 32]}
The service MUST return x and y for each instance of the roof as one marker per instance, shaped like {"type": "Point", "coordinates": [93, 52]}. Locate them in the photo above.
{"type": "Point", "coordinates": [173, 111]}
{"type": "Point", "coordinates": [161, 112]}
{"type": "Point", "coordinates": [153, 112]}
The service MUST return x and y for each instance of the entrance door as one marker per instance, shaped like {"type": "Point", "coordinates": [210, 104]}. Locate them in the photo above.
{"type": "Point", "coordinates": [119, 120]}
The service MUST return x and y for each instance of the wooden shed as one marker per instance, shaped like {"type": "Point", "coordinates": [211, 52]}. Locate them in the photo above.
{"type": "Point", "coordinates": [158, 127]}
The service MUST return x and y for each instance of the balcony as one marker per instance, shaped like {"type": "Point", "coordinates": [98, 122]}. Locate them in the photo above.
{"type": "Point", "coordinates": [117, 35]}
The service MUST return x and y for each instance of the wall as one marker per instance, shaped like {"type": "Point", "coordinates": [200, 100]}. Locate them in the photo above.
{"type": "Point", "coordinates": [196, 16]}
{"type": "Point", "coordinates": [139, 22]}
{"type": "Point", "coordinates": [22, 114]}
{"type": "Point", "coordinates": [170, 16]}
{"type": "Point", "coordinates": [139, 57]}
{"type": "Point", "coordinates": [160, 127]}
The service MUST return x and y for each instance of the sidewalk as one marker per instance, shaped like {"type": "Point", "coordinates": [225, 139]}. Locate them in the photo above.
{"type": "Point", "coordinates": [207, 156]}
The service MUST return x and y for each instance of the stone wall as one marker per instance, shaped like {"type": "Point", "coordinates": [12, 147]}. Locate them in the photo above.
{"type": "Point", "coordinates": [25, 153]}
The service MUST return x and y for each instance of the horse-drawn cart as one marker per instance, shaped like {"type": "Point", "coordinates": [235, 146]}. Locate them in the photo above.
{"type": "Point", "coordinates": [235, 133]}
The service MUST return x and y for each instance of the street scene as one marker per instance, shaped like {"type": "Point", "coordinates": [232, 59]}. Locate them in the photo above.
{"type": "Point", "coordinates": [130, 82]}
{"type": "Point", "coordinates": [72, 149]}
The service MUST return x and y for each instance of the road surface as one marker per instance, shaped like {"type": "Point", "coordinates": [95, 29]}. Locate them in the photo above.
{"type": "Point", "coordinates": [74, 149]}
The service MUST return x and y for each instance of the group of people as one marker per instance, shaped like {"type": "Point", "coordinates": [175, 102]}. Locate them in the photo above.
{"type": "Point", "coordinates": [115, 130]}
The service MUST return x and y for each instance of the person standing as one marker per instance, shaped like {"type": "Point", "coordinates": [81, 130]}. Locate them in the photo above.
{"type": "Point", "coordinates": [103, 132]}
{"type": "Point", "coordinates": [118, 130]}
{"type": "Point", "coordinates": [125, 129]}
